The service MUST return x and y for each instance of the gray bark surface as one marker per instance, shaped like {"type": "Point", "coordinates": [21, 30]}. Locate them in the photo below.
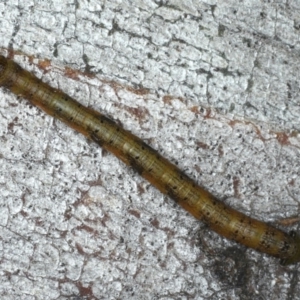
{"type": "Point", "coordinates": [213, 85]}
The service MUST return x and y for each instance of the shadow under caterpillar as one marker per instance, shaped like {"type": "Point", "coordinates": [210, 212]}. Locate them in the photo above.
{"type": "Point", "coordinates": [151, 165]}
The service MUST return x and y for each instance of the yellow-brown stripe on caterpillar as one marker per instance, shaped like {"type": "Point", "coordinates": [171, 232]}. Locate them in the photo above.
{"type": "Point", "coordinates": [151, 165]}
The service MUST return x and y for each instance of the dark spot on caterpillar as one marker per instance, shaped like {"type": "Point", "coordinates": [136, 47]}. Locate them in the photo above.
{"type": "Point", "coordinates": [18, 68]}
{"type": "Point", "coordinates": [107, 120]}
{"type": "Point", "coordinates": [183, 176]}
{"type": "Point", "coordinates": [138, 168]}
{"type": "Point", "coordinates": [146, 147]}
{"type": "Point", "coordinates": [173, 194]}
{"type": "Point", "coordinates": [96, 139]}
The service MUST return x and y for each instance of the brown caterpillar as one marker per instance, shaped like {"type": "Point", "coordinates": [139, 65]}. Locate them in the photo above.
{"type": "Point", "coordinates": [151, 165]}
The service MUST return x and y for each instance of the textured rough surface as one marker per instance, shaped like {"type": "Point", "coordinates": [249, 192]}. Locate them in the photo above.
{"type": "Point", "coordinates": [213, 85]}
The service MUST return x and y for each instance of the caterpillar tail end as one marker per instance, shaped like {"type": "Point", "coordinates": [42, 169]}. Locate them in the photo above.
{"type": "Point", "coordinates": [295, 255]}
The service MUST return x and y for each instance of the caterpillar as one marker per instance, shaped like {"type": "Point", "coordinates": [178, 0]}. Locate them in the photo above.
{"type": "Point", "coordinates": [161, 173]}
